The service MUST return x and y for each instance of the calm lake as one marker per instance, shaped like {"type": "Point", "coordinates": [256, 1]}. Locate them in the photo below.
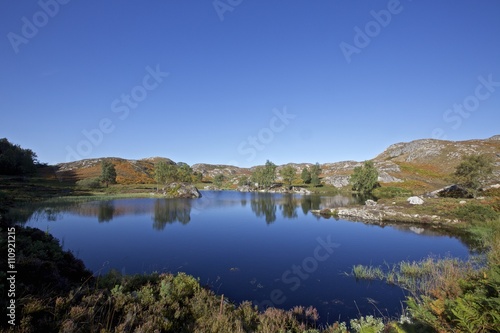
{"type": "Point", "coordinates": [262, 247]}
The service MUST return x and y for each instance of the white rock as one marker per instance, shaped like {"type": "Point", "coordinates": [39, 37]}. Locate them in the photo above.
{"type": "Point", "coordinates": [415, 200]}
{"type": "Point", "coordinates": [370, 203]}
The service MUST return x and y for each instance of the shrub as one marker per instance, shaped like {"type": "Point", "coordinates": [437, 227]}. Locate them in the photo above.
{"type": "Point", "coordinates": [475, 212]}
{"type": "Point", "coordinates": [89, 183]}
{"type": "Point", "coordinates": [364, 178]}
{"type": "Point", "coordinates": [368, 324]}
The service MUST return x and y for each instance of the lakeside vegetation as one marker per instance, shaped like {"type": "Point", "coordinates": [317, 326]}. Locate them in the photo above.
{"type": "Point", "coordinates": [446, 295]}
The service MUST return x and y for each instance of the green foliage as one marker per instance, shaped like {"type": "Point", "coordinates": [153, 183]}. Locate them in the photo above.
{"type": "Point", "coordinates": [288, 174]}
{"type": "Point", "coordinates": [219, 179]}
{"type": "Point", "coordinates": [364, 178]}
{"type": "Point", "coordinates": [368, 324]}
{"type": "Point", "coordinates": [184, 172]}
{"type": "Point", "coordinates": [362, 272]}
{"type": "Point", "coordinates": [108, 172]}
{"type": "Point", "coordinates": [315, 180]}
{"type": "Point", "coordinates": [315, 172]}
{"type": "Point", "coordinates": [161, 172]}
{"type": "Point", "coordinates": [473, 172]}
{"type": "Point", "coordinates": [89, 183]}
{"type": "Point", "coordinates": [473, 212]}
{"type": "Point", "coordinates": [168, 173]}
{"type": "Point", "coordinates": [15, 160]}
{"type": "Point", "coordinates": [265, 175]}
{"type": "Point", "coordinates": [244, 181]}
{"type": "Point", "coordinates": [391, 192]}
{"type": "Point", "coordinates": [305, 176]}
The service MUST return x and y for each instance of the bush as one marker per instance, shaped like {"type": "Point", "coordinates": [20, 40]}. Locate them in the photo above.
{"type": "Point", "coordinates": [475, 212]}
{"type": "Point", "coordinates": [364, 178]}
{"type": "Point", "coordinates": [89, 183]}
{"type": "Point", "coordinates": [367, 324]}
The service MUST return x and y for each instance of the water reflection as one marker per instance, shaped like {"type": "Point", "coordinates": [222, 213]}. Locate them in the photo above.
{"type": "Point", "coordinates": [263, 204]}
{"type": "Point", "coordinates": [310, 202]}
{"type": "Point", "coordinates": [167, 211]}
{"type": "Point", "coordinates": [105, 211]}
{"type": "Point", "coordinates": [289, 206]}
{"type": "Point", "coordinates": [268, 207]}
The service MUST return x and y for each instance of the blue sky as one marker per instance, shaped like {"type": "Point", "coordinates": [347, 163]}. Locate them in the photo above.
{"type": "Point", "coordinates": [240, 81]}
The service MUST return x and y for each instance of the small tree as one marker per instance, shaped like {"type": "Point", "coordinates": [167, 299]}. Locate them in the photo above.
{"type": "Point", "coordinates": [269, 174]}
{"type": "Point", "coordinates": [219, 179]}
{"type": "Point", "coordinates": [315, 180]}
{"type": "Point", "coordinates": [473, 172]}
{"type": "Point", "coordinates": [364, 178]}
{"type": "Point", "coordinates": [258, 176]}
{"type": "Point", "coordinates": [108, 172]}
{"type": "Point", "coordinates": [184, 172]}
{"type": "Point", "coordinates": [161, 172]}
{"type": "Point", "coordinates": [315, 172]}
{"type": "Point", "coordinates": [265, 175]}
{"type": "Point", "coordinates": [288, 174]}
{"type": "Point", "coordinates": [305, 176]}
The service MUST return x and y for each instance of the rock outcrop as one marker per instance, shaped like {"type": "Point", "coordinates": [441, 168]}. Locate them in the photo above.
{"type": "Point", "coordinates": [382, 213]}
{"type": "Point", "coordinates": [415, 201]}
{"type": "Point", "coordinates": [181, 190]}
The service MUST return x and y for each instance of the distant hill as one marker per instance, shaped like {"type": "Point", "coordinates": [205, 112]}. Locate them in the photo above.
{"type": "Point", "coordinates": [420, 164]}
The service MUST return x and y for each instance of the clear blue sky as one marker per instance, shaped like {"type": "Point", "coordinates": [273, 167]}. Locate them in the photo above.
{"type": "Point", "coordinates": [234, 65]}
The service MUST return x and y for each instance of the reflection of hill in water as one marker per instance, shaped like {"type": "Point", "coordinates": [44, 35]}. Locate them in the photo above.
{"type": "Point", "coordinates": [108, 209]}
{"type": "Point", "coordinates": [265, 206]}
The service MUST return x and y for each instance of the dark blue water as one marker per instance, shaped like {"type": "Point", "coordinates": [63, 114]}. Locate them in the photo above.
{"type": "Point", "coordinates": [266, 248]}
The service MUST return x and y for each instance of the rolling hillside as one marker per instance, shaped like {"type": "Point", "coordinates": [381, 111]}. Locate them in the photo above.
{"type": "Point", "coordinates": [420, 164]}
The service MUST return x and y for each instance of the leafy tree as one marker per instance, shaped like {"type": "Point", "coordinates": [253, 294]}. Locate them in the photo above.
{"type": "Point", "coordinates": [315, 172]}
{"type": "Point", "coordinates": [184, 172]}
{"type": "Point", "coordinates": [269, 174]}
{"type": "Point", "coordinates": [15, 160]}
{"type": "Point", "coordinates": [288, 174]}
{"type": "Point", "coordinates": [171, 173]}
{"type": "Point", "coordinates": [219, 179]}
{"type": "Point", "coordinates": [108, 172]}
{"type": "Point", "coordinates": [315, 180]}
{"type": "Point", "coordinates": [364, 178]}
{"type": "Point", "coordinates": [473, 172]}
{"type": "Point", "coordinates": [265, 175]}
{"type": "Point", "coordinates": [160, 171]}
{"type": "Point", "coordinates": [305, 176]}
{"type": "Point", "coordinates": [258, 175]}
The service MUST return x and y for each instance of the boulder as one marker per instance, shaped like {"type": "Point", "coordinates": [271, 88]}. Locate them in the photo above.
{"type": "Point", "coordinates": [244, 188]}
{"type": "Point", "coordinates": [370, 203]}
{"type": "Point", "coordinates": [337, 181]}
{"type": "Point", "coordinates": [384, 177]}
{"type": "Point", "coordinates": [301, 190]}
{"type": "Point", "coordinates": [415, 200]}
{"type": "Point", "coordinates": [181, 190]}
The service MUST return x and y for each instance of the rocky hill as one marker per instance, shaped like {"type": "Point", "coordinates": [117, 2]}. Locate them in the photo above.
{"type": "Point", "coordinates": [420, 164]}
{"type": "Point", "coordinates": [128, 171]}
